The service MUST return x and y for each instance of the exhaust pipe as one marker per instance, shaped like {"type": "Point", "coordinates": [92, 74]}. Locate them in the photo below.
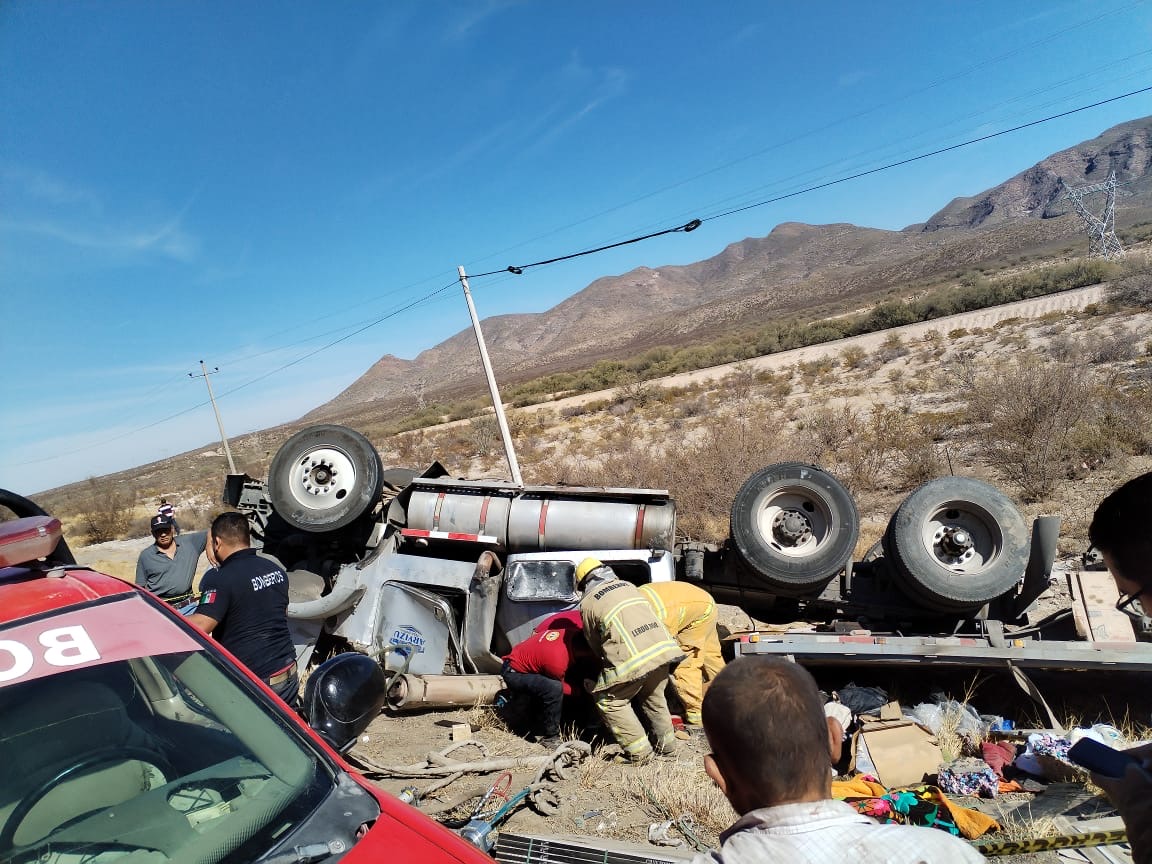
{"type": "Point", "coordinates": [410, 692]}
{"type": "Point", "coordinates": [480, 620]}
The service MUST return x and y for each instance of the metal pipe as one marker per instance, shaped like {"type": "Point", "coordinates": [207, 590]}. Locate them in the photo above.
{"type": "Point", "coordinates": [343, 596]}
{"type": "Point", "coordinates": [501, 420]}
{"type": "Point", "coordinates": [409, 692]}
{"type": "Point", "coordinates": [480, 618]}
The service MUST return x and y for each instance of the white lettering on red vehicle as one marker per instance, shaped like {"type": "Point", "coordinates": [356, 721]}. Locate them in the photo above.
{"type": "Point", "coordinates": [88, 636]}
{"type": "Point", "coordinates": [63, 646]}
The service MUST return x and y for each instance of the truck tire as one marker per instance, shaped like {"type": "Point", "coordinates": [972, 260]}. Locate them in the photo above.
{"type": "Point", "coordinates": [324, 477]}
{"type": "Point", "coordinates": [794, 525]}
{"type": "Point", "coordinates": [956, 543]}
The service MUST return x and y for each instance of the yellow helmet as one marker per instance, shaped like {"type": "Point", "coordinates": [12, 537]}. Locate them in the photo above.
{"type": "Point", "coordinates": [584, 568]}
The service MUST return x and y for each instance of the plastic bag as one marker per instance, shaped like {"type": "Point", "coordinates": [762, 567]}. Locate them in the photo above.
{"type": "Point", "coordinates": [949, 713]}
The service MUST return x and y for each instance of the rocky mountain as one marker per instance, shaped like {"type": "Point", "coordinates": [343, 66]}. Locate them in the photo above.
{"type": "Point", "coordinates": [795, 267]}
{"type": "Point", "coordinates": [1036, 192]}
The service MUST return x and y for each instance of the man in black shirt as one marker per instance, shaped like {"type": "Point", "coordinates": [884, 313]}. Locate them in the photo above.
{"type": "Point", "coordinates": [244, 602]}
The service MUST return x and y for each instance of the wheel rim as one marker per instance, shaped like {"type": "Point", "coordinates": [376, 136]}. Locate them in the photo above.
{"type": "Point", "coordinates": [793, 523]}
{"type": "Point", "coordinates": [322, 478]}
{"type": "Point", "coordinates": [962, 537]}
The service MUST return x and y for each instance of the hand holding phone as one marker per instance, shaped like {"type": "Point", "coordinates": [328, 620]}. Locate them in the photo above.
{"type": "Point", "coordinates": [1100, 758]}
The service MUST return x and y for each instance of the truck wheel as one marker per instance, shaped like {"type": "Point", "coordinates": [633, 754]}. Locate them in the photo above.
{"type": "Point", "coordinates": [794, 525]}
{"type": "Point", "coordinates": [957, 543]}
{"type": "Point", "coordinates": [324, 477]}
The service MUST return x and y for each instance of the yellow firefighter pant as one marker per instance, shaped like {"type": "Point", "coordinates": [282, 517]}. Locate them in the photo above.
{"type": "Point", "coordinates": [702, 662]}
{"type": "Point", "coordinates": [615, 706]}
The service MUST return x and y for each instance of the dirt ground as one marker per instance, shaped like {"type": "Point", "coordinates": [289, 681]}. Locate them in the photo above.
{"type": "Point", "coordinates": [607, 799]}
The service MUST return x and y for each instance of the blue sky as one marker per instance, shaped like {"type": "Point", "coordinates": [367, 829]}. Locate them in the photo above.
{"type": "Point", "coordinates": [245, 182]}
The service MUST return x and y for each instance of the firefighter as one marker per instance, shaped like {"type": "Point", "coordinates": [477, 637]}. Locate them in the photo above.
{"type": "Point", "coordinates": [689, 613]}
{"type": "Point", "coordinates": [635, 652]}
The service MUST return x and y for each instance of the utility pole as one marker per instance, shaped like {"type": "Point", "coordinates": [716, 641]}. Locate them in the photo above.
{"type": "Point", "coordinates": [204, 373]}
{"type": "Point", "coordinates": [1102, 239]}
{"type": "Point", "coordinates": [501, 420]}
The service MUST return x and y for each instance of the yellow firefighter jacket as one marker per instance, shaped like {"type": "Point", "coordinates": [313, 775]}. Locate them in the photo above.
{"type": "Point", "coordinates": [679, 605]}
{"type": "Point", "coordinates": [624, 633]}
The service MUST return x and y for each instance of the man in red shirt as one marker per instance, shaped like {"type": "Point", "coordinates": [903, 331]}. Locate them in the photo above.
{"type": "Point", "coordinates": [536, 669]}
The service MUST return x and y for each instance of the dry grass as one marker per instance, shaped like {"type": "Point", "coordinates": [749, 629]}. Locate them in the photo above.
{"type": "Point", "coordinates": [680, 788]}
{"type": "Point", "coordinates": [1019, 828]}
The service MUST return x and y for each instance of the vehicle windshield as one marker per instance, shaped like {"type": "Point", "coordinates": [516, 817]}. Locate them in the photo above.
{"type": "Point", "coordinates": [121, 739]}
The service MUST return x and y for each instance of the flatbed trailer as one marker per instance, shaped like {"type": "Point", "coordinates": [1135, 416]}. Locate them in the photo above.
{"type": "Point", "coordinates": [833, 649]}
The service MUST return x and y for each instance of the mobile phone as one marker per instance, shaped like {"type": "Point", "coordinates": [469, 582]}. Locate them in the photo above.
{"type": "Point", "coordinates": [1101, 758]}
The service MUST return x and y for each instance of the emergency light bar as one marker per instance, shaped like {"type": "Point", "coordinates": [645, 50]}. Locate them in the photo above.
{"type": "Point", "coordinates": [28, 539]}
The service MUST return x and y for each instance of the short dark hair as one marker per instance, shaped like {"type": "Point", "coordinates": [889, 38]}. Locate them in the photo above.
{"type": "Point", "coordinates": [1120, 527]}
{"type": "Point", "coordinates": [766, 726]}
{"type": "Point", "coordinates": [232, 528]}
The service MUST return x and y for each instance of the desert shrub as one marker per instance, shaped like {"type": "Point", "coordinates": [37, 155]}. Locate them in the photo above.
{"type": "Point", "coordinates": [1026, 412]}
{"type": "Point", "coordinates": [892, 313]}
{"type": "Point", "coordinates": [741, 380]}
{"type": "Point", "coordinates": [852, 357]}
{"type": "Point", "coordinates": [1115, 347]}
{"type": "Point", "coordinates": [106, 510]}
{"type": "Point", "coordinates": [636, 392]}
{"type": "Point", "coordinates": [822, 432]}
{"type": "Point", "coordinates": [482, 435]}
{"type": "Point", "coordinates": [889, 448]}
{"type": "Point", "coordinates": [1133, 287]}
{"type": "Point", "coordinates": [1065, 348]}
{"type": "Point", "coordinates": [811, 370]}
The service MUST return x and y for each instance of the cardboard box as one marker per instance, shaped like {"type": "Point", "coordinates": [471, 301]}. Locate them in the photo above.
{"type": "Point", "coordinates": [902, 752]}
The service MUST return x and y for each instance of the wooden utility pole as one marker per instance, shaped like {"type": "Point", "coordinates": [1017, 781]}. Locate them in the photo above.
{"type": "Point", "coordinates": [204, 373]}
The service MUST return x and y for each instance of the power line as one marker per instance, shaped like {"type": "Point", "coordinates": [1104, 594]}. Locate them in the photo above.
{"type": "Point", "coordinates": [929, 154]}
{"type": "Point", "coordinates": [1077, 26]}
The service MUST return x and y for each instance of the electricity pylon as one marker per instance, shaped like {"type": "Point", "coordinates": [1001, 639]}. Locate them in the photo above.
{"type": "Point", "coordinates": [1102, 240]}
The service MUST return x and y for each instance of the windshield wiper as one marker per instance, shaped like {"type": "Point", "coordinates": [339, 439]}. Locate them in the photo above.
{"type": "Point", "coordinates": [308, 853]}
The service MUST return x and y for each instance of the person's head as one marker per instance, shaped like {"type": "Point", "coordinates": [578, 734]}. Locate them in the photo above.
{"type": "Point", "coordinates": [592, 570]}
{"type": "Point", "coordinates": [771, 743]}
{"type": "Point", "coordinates": [1120, 531]}
{"type": "Point", "coordinates": [162, 531]}
{"type": "Point", "coordinates": [229, 533]}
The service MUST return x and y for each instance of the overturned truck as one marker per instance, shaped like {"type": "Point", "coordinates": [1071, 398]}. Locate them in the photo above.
{"type": "Point", "coordinates": [437, 577]}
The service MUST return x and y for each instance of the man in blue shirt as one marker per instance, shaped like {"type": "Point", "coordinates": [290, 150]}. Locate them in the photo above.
{"type": "Point", "coordinates": [167, 566]}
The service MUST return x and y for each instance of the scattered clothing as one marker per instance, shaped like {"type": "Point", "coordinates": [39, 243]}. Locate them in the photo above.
{"type": "Point", "coordinates": [969, 777]}
{"type": "Point", "coordinates": [998, 755]}
{"type": "Point", "coordinates": [921, 805]}
{"type": "Point", "coordinates": [1047, 744]}
{"type": "Point", "coordinates": [824, 831]}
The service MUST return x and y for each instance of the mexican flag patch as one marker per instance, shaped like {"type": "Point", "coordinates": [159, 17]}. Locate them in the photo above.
{"type": "Point", "coordinates": [208, 597]}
